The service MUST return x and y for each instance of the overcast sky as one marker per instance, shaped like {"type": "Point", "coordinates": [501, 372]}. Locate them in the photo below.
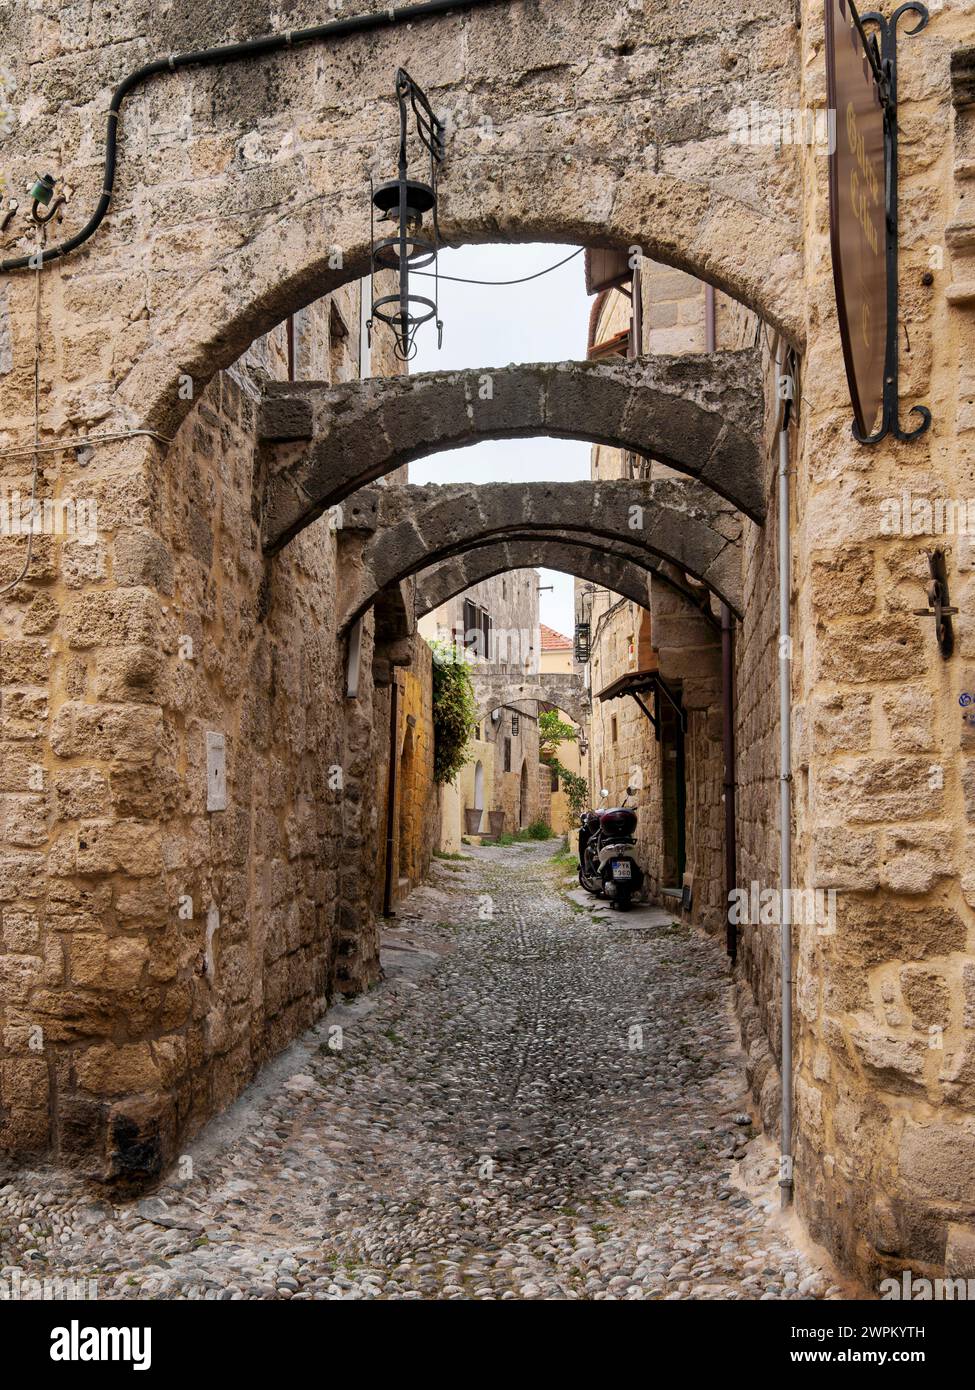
{"type": "Point", "coordinates": [545, 320]}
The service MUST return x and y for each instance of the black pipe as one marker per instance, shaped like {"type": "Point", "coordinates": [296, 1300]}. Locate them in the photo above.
{"type": "Point", "coordinates": [728, 741]}
{"type": "Point", "coordinates": [210, 57]}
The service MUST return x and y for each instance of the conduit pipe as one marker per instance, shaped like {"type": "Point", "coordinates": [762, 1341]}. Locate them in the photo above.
{"type": "Point", "coordinates": [212, 57]}
{"type": "Point", "coordinates": [727, 703]}
{"type": "Point", "coordinates": [785, 391]}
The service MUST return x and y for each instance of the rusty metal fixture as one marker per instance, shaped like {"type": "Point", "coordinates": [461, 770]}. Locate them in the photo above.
{"type": "Point", "coordinates": [939, 603]}
{"type": "Point", "coordinates": [405, 202]}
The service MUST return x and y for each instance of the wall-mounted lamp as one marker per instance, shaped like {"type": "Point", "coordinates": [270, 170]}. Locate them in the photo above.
{"type": "Point", "coordinates": [406, 202]}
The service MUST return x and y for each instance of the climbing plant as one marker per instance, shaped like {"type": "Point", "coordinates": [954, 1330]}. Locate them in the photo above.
{"type": "Point", "coordinates": [454, 712]}
{"type": "Point", "coordinates": [576, 788]}
{"type": "Point", "coordinates": [552, 731]}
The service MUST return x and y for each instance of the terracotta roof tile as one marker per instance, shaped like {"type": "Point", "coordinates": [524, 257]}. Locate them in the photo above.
{"type": "Point", "coordinates": [553, 641]}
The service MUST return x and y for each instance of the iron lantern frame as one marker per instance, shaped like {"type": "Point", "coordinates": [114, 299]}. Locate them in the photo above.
{"type": "Point", "coordinates": [409, 248]}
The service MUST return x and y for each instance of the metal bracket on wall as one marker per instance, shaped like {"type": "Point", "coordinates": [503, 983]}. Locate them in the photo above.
{"type": "Point", "coordinates": [882, 49]}
{"type": "Point", "coordinates": [938, 603]}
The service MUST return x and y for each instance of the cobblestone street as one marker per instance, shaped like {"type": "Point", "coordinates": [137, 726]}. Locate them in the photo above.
{"type": "Point", "coordinates": [533, 1105]}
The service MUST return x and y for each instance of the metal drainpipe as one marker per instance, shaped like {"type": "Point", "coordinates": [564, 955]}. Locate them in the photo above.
{"type": "Point", "coordinates": [784, 392]}
{"type": "Point", "coordinates": [728, 743]}
{"type": "Point", "coordinates": [727, 706]}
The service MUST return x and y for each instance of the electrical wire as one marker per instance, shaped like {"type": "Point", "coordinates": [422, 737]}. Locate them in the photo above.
{"type": "Point", "coordinates": [225, 54]}
{"type": "Point", "coordinates": [462, 280]}
{"type": "Point", "coordinates": [84, 442]}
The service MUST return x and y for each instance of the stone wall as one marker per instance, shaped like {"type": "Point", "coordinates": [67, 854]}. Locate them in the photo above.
{"type": "Point", "coordinates": [171, 948]}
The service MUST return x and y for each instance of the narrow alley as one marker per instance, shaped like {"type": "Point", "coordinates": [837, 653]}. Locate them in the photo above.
{"type": "Point", "coordinates": [535, 1103]}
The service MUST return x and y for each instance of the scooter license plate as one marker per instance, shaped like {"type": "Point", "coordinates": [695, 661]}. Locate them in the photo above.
{"type": "Point", "coordinates": [622, 869]}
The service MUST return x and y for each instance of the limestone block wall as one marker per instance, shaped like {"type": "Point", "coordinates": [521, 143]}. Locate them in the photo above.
{"type": "Point", "coordinates": [155, 952]}
{"type": "Point", "coordinates": [688, 651]}
{"type": "Point", "coordinates": [885, 1106]}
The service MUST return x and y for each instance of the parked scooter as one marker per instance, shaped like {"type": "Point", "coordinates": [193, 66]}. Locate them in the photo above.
{"type": "Point", "coordinates": [606, 863]}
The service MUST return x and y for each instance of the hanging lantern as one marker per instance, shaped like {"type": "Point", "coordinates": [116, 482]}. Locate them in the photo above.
{"type": "Point", "coordinates": [411, 245]}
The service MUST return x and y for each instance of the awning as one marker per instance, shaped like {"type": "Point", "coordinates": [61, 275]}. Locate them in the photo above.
{"type": "Point", "coordinates": [639, 683]}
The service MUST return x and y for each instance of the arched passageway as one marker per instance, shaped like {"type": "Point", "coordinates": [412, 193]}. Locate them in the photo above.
{"type": "Point", "coordinates": [701, 415]}
{"type": "Point", "coordinates": [410, 528]}
{"type": "Point", "coordinates": [626, 575]}
{"type": "Point", "coordinates": [496, 689]}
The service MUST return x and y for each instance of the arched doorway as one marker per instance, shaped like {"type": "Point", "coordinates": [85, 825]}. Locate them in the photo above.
{"type": "Point", "coordinates": [523, 807]}
{"type": "Point", "coordinates": [479, 787]}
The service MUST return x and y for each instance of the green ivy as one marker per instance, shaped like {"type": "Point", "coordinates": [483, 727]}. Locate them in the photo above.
{"type": "Point", "coordinates": [454, 712]}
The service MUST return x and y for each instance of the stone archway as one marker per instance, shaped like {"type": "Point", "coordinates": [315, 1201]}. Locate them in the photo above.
{"type": "Point", "coordinates": [286, 156]}
{"type": "Point", "coordinates": [495, 689]}
{"type": "Point", "coordinates": [394, 532]}
{"type": "Point", "coordinates": [701, 415]}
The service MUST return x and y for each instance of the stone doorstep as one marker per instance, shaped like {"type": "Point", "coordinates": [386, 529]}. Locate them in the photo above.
{"type": "Point", "coordinates": [639, 917]}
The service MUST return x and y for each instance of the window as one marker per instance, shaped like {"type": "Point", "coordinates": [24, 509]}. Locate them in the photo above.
{"type": "Point", "coordinates": [477, 630]}
{"type": "Point", "coordinates": [555, 780]}
{"type": "Point", "coordinates": [614, 729]}
{"type": "Point", "coordinates": [515, 726]}
{"type": "Point", "coordinates": [470, 623]}
{"type": "Point", "coordinates": [507, 755]}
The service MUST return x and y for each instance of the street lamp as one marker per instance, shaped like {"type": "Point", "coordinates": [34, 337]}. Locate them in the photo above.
{"type": "Point", "coordinates": [405, 202]}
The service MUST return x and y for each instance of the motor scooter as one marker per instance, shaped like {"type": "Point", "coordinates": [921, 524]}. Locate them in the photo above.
{"type": "Point", "coordinates": [607, 866]}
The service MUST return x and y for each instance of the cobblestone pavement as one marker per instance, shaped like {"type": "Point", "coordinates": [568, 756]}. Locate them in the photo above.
{"type": "Point", "coordinates": [533, 1105]}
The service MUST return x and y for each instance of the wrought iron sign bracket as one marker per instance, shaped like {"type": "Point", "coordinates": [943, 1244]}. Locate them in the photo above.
{"type": "Point", "coordinates": [881, 48]}
{"type": "Point", "coordinates": [938, 603]}
{"type": "Point", "coordinates": [650, 715]}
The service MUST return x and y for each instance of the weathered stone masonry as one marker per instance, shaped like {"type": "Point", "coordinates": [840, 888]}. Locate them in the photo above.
{"type": "Point", "coordinates": [608, 125]}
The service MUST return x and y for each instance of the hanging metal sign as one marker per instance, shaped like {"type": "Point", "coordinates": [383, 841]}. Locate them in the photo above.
{"type": "Point", "coordinates": [861, 83]}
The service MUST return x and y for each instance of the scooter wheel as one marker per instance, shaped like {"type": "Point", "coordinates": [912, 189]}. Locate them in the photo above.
{"type": "Point", "coordinates": [623, 904]}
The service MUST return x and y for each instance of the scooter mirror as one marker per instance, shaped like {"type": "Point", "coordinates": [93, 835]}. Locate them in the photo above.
{"type": "Point", "coordinates": [631, 791]}
{"type": "Point", "coordinates": [604, 792]}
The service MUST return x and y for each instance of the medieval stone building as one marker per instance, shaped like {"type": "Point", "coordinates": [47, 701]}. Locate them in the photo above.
{"type": "Point", "coordinates": [197, 691]}
{"type": "Point", "coordinates": [493, 625]}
